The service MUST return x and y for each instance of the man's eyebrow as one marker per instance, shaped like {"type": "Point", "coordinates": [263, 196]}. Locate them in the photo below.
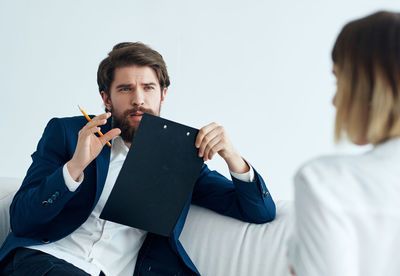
{"type": "Point", "coordinates": [123, 85]}
{"type": "Point", "coordinates": [149, 83]}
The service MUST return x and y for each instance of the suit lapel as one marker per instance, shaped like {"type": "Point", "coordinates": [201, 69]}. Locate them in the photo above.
{"type": "Point", "coordinates": [174, 238]}
{"type": "Point", "coordinates": [102, 164]}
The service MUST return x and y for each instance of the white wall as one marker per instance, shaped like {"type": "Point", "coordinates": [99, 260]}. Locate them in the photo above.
{"type": "Point", "coordinates": [260, 68]}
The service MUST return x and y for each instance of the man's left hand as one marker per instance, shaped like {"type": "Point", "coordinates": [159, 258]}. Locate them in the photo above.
{"type": "Point", "coordinates": [213, 139]}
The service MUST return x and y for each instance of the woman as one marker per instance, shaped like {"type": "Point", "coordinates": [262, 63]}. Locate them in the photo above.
{"type": "Point", "coordinates": [348, 207]}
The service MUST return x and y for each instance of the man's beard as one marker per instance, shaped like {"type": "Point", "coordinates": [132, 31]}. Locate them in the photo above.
{"type": "Point", "coordinates": [122, 122]}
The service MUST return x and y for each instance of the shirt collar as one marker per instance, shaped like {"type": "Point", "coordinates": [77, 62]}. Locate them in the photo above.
{"type": "Point", "coordinates": [119, 144]}
{"type": "Point", "coordinates": [388, 148]}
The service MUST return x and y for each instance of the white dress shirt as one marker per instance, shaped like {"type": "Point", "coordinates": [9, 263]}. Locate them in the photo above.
{"type": "Point", "coordinates": [348, 215]}
{"type": "Point", "coordinates": [100, 245]}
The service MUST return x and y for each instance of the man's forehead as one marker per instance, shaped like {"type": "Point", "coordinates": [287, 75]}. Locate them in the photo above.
{"type": "Point", "coordinates": [134, 74]}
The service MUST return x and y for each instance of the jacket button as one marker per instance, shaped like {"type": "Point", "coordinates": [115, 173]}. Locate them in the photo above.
{"type": "Point", "coordinates": [50, 200]}
{"type": "Point", "coordinates": [45, 240]}
{"type": "Point", "coordinates": [44, 203]}
{"type": "Point", "coordinates": [265, 194]}
{"type": "Point", "coordinates": [149, 268]}
{"type": "Point", "coordinates": [53, 197]}
{"type": "Point", "coordinates": [57, 193]}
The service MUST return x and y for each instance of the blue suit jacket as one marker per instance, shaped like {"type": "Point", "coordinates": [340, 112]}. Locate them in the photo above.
{"type": "Point", "coordinates": [44, 210]}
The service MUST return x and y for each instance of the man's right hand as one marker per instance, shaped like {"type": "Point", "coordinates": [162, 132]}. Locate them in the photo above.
{"type": "Point", "coordinates": [89, 145]}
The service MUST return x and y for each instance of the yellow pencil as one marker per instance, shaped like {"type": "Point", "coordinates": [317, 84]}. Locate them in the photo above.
{"type": "Point", "coordinates": [88, 118]}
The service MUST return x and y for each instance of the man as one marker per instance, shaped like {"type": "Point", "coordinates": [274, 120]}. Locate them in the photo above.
{"type": "Point", "coordinates": [56, 229]}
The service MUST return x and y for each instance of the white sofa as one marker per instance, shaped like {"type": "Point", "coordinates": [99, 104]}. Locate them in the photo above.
{"type": "Point", "coordinates": [217, 245]}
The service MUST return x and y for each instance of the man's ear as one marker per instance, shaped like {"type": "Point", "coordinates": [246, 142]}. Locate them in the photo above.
{"type": "Point", "coordinates": [106, 100]}
{"type": "Point", "coordinates": [163, 94]}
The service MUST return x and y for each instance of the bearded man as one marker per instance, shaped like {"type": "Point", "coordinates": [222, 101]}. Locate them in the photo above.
{"type": "Point", "coordinates": [55, 224]}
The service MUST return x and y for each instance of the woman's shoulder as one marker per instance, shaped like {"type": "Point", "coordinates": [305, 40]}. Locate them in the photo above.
{"type": "Point", "coordinates": [334, 175]}
{"type": "Point", "coordinates": [350, 182]}
{"type": "Point", "coordinates": [329, 165]}
{"type": "Point", "coordinates": [319, 183]}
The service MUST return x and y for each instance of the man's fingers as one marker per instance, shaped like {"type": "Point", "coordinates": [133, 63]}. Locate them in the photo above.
{"type": "Point", "coordinates": [206, 139]}
{"type": "Point", "coordinates": [215, 149]}
{"type": "Point", "coordinates": [94, 130]}
{"type": "Point", "coordinates": [101, 117]}
{"type": "Point", "coordinates": [99, 120]}
{"type": "Point", "coordinates": [109, 135]}
{"type": "Point", "coordinates": [203, 132]}
{"type": "Point", "coordinates": [210, 148]}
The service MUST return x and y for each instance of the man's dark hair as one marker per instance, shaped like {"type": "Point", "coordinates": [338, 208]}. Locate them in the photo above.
{"type": "Point", "coordinates": [127, 54]}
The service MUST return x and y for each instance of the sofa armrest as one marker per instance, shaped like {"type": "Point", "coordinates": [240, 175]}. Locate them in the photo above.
{"type": "Point", "coordinates": [8, 188]}
{"type": "Point", "coordinates": [220, 245]}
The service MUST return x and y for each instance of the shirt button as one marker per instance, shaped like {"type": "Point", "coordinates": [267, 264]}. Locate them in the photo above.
{"type": "Point", "coordinates": [106, 236]}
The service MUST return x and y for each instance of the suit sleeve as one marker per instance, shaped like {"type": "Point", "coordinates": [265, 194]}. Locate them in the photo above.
{"type": "Point", "coordinates": [43, 193]}
{"type": "Point", "coordinates": [246, 201]}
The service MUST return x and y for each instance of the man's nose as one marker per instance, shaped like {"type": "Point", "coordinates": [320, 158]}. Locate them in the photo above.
{"type": "Point", "coordinates": [137, 97]}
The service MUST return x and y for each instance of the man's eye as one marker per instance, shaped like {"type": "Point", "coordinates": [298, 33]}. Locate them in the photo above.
{"type": "Point", "coordinates": [125, 89]}
{"type": "Point", "coordinates": [149, 87]}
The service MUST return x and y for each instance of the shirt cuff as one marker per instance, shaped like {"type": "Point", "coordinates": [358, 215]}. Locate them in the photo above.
{"type": "Point", "coordinates": [71, 184]}
{"type": "Point", "coordinates": [245, 177]}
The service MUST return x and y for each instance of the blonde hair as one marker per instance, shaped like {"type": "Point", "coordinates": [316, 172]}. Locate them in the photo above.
{"type": "Point", "coordinates": [367, 55]}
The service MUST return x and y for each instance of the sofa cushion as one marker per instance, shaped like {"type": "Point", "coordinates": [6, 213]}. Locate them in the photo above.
{"type": "Point", "coordinates": [220, 245]}
{"type": "Point", "coordinates": [217, 245]}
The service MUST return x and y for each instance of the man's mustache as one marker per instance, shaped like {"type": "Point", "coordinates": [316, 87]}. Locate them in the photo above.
{"type": "Point", "coordinates": [136, 109]}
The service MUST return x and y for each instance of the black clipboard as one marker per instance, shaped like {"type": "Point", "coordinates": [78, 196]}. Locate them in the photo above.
{"type": "Point", "coordinates": [157, 177]}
